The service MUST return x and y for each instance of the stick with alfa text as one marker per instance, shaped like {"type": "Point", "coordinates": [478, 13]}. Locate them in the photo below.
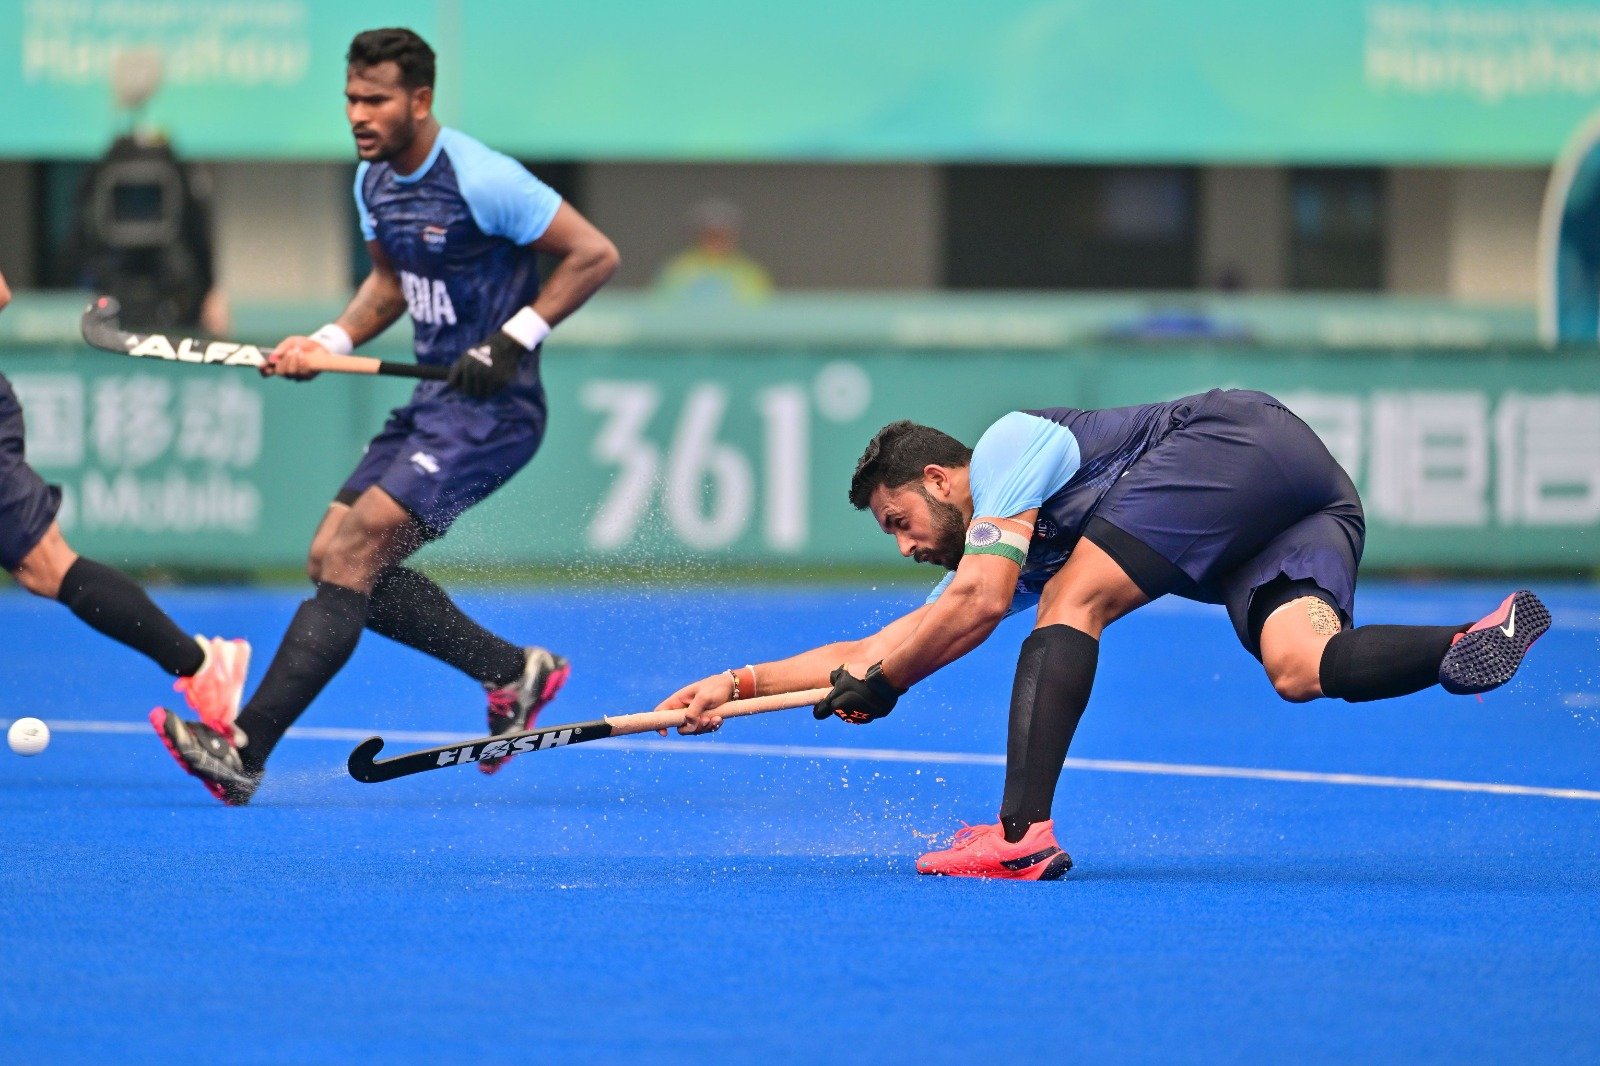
{"type": "Point", "coordinates": [102, 330]}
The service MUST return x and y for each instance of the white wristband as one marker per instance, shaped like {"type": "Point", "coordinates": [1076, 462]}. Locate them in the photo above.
{"type": "Point", "coordinates": [335, 339]}
{"type": "Point", "coordinates": [528, 328]}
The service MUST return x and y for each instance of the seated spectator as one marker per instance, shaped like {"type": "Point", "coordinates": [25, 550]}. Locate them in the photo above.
{"type": "Point", "coordinates": [714, 269]}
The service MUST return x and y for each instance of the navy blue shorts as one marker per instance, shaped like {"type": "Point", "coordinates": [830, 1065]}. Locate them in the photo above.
{"type": "Point", "coordinates": [442, 453]}
{"type": "Point", "coordinates": [27, 504]}
{"type": "Point", "coordinates": [1238, 495]}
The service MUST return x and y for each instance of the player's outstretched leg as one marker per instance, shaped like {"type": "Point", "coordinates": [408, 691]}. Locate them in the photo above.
{"type": "Point", "coordinates": [112, 603]}
{"type": "Point", "coordinates": [1055, 673]}
{"type": "Point", "coordinates": [210, 672]}
{"type": "Point", "coordinates": [321, 637]}
{"type": "Point", "coordinates": [1378, 662]}
{"type": "Point", "coordinates": [1487, 655]}
{"type": "Point", "coordinates": [409, 607]}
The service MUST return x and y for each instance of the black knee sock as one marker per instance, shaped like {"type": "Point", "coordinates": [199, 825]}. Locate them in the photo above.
{"type": "Point", "coordinates": [1054, 675]}
{"type": "Point", "coordinates": [410, 608]}
{"type": "Point", "coordinates": [113, 603]}
{"type": "Point", "coordinates": [320, 639]}
{"type": "Point", "coordinates": [1381, 662]}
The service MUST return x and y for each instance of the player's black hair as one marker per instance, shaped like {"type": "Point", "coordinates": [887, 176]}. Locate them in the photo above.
{"type": "Point", "coordinates": [896, 455]}
{"type": "Point", "coordinates": [399, 46]}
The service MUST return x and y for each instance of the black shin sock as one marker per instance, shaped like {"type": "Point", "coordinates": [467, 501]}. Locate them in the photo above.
{"type": "Point", "coordinates": [320, 639]}
{"type": "Point", "coordinates": [1381, 662]}
{"type": "Point", "coordinates": [1054, 675]}
{"type": "Point", "coordinates": [113, 603]}
{"type": "Point", "coordinates": [410, 608]}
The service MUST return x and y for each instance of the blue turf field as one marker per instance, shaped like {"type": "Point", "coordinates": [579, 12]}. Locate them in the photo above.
{"type": "Point", "coordinates": [750, 896]}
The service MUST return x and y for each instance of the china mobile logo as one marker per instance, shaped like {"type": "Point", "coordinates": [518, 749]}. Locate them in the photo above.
{"type": "Point", "coordinates": [500, 749]}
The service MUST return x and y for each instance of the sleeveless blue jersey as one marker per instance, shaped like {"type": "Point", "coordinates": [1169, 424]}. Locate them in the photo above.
{"type": "Point", "coordinates": [1061, 460]}
{"type": "Point", "coordinates": [457, 231]}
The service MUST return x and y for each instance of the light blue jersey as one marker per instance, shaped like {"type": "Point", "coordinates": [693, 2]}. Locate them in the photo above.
{"type": "Point", "coordinates": [1061, 460]}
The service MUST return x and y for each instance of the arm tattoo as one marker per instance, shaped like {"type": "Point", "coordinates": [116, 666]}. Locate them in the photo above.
{"type": "Point", "coordinates": [1324, 619]}
{"type": "Point", "coordinates": [373, 308]}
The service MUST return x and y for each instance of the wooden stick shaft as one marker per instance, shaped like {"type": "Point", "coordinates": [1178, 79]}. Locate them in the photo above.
{"type": "Point", "coordinates": [365, 364]}
{"type": "Point", "coordinates": [646, 721]}
{"type": "Point", "coordinates": [333, 363]}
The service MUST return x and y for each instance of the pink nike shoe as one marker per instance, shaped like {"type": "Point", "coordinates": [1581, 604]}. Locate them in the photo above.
{"type": "Point", "coordinates": [982, 851]}
{"type": "Point", "coordinates": [1487, 655]}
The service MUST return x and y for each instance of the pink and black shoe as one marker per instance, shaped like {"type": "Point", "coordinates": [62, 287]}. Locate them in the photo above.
{"type": "Point", "coordinates": [209, 755]}
{"type": "Point", "coordinates": [1487, 655]}
{"type": "Point", "coordinates": [514, 707]}
{"type": "Point", "coordinates": [983, 851]}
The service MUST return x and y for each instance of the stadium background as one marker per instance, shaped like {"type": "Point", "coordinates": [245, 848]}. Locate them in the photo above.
{"type": "Point", "coordinates": [965, 208]}
{"type": "Point", "coordinates": [1339, 203]}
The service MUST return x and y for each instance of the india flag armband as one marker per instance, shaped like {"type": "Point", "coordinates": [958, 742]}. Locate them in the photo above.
{"type": "Point", "coordinates": [998, 536]}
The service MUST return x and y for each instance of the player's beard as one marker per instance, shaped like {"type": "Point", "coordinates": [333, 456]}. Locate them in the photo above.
{"type": "Point", "coordinates": [949, 530]}
{"type": "Point", "coordinates": [397, 141]}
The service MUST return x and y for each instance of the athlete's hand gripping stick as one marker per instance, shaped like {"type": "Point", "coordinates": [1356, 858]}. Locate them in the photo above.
{"type": "Point", "coordinates": [858, 700]}
{"type": "Point", "coordinates": [485, 369]}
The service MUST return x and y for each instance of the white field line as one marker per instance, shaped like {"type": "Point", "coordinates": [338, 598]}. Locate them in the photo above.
{"type": "Point", "coordinates": [925, 758]}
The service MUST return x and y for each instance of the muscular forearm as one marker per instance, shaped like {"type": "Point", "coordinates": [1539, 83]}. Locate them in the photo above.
{"type": "Point", "coordinates": [809, 669]}
{"type": "Point", "coordinates": [576, 277]}
{"type": "Point", "coordinates": [955, 625]}
{"type": "Point", "coordinates": [374, 307]}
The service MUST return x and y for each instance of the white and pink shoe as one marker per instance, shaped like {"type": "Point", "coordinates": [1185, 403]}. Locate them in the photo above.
{"type": "Point", "coordinates": [216, 689]}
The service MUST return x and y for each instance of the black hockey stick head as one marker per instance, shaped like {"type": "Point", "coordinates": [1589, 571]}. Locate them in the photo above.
{"type": "Point", "coordinates": [101, 325]}
{"type": "Point", "coordinates": [361, 761]}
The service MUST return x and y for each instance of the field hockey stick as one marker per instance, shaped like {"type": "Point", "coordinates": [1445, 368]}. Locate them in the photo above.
{"type": "Point", "coordinates": [364, 768]}
{"type": "Point", "coordinates": [102, 330]}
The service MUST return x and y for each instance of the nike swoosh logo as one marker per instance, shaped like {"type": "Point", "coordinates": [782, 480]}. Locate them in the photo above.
{"type": "Point", "coordinates": [1510, 628]}
{"type": "Point", "coordinates": [1030, 860]}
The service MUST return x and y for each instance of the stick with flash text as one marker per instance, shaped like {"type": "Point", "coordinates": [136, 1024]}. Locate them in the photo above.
{"type": "Point", "coordinates": [364, 768]}
{"type": "Point", "coordinates": [102, 330]}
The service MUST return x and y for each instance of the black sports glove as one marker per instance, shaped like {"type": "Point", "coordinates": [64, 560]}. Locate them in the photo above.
{"type": "Point", "coordinates": [485, 369]}
{"type": "Point", "coordinates": [858, 700]}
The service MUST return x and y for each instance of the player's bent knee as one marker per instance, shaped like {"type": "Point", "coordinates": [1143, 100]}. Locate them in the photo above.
{"type": "Point", "coordinates": [44, 567]}
{"type": "Point", "coordinates": [1089, 614]}
{"type": "Point", "coordinates": [358, 550]}
{"type": "Point", "coordinates": [1294, 668]}
{"type": "Point", "coordinates": [347, 552]}
{"type": "Point", "coordinates": [1295, 683]}
{"type": "Point", "coordinates": [1296, 690]}
{"type": "Point", "coordinates": [37, 581]}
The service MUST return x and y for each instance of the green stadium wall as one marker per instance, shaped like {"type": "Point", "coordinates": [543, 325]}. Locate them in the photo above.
{"type": "Point", "coordinates": [728, 457]}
